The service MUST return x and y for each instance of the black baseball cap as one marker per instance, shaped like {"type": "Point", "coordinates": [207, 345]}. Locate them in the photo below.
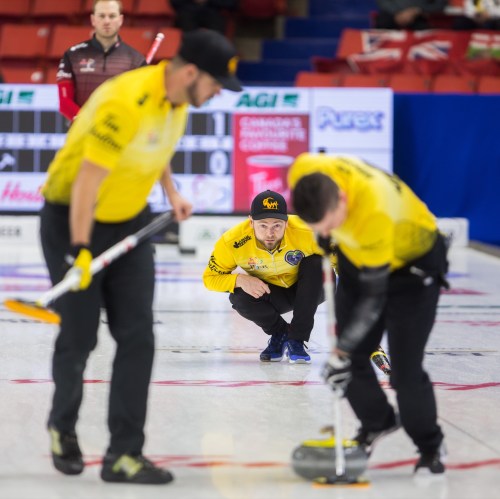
{"type": "Point", "coordinates": [269, 204]}
{"type": "Point", "coordinates": [212, 53]}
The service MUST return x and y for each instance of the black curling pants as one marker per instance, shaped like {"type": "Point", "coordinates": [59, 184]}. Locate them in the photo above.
{"type": "Point", "coordinates": [303, 298]}
{"type": "Point", "coordinates": [408, 318]}
{"type": "Point", "coordinates": [125, 288]}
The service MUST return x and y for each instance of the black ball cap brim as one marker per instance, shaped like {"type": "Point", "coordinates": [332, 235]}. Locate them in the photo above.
{"type": "Point", "coordinates": [212, 53]}
{"type": "Point", "coordinates": [263, 216]}
{"type": "Point", "coordinates": [230, 83]}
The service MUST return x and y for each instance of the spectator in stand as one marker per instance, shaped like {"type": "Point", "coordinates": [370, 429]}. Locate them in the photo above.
{"type": "Point", "coordinates": [88, 64]}
{"type": "Point", "coordinates": [479, 14]}
{"type": "Point", "coordinates": [407, 14]}
{"type": "Point", "coordinates": [193, 14]}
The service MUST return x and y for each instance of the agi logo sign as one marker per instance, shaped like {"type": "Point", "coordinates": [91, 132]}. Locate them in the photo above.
{"type": "Point", "coordinates": [268, 100]}
{"type": "Point", "coordinates": [363, 121]}
{"type": "Point", "coordinates": [16, 97]}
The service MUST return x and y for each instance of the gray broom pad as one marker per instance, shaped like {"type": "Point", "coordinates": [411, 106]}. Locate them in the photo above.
{"type": "Point", "coordinates": [315, 463]}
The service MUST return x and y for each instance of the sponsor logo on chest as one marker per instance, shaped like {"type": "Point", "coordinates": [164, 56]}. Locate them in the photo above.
{"type": "Point", "coordinates": [255, 263]}
{"type": "Point", "coordinates": [87, 65]}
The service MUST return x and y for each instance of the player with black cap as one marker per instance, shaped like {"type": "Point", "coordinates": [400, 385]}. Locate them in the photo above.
{"type": "Point", "coordinates": [212, 54]}
{"type": "Point", "coordinates": [95, 195]}
{"type": "Point", "coordinates": [282, 265]}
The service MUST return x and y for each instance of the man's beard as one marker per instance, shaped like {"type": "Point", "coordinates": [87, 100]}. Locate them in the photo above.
{"type": "Point", "coordinates": [273, 247]}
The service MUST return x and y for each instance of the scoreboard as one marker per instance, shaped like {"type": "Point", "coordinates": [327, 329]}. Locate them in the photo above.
{"type": "Point", "coordinates": [207, 146]}
{"type": "Point", "coordinates": [30, 130]}
{"type": "Point", "coordinates": [235, 146]}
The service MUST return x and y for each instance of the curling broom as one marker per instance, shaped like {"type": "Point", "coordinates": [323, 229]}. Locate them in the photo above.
{"type": "Point", "coordinates": [39, 309]}
{"type": "Point", "coordinates": [332, 461]}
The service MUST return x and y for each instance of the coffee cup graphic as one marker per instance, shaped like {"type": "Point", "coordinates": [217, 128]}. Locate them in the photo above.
{"type": "Point", "coordinates": [268, 171]}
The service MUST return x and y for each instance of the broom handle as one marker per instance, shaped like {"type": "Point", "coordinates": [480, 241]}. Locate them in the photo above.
{"type": "Point", "coordinates": [105, 258]}
{"type": "Point", "coordinates": [328, 285]}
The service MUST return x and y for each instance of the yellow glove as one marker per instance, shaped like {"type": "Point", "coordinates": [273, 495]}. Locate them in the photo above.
{"type": "Point", "coordinates": [80, 264]}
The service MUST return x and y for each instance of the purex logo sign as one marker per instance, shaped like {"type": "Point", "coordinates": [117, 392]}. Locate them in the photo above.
{"type": "Point", "coordinates": [363, 121]}
{"type": "Point", "coordinates": [268, 100]}
{"type": "Point", "coordinates": [16, 97]}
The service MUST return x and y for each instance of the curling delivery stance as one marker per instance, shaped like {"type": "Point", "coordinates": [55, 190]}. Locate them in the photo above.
{"type": "Point", "coordinates": [392, 264]}
{"type": "Point", "coordinates": [282, 273]}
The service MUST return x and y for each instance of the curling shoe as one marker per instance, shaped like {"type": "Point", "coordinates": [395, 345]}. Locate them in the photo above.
{"type": "Point", "coordinates": [66, 453]}
{"type": "Point", "coordinates": [431, 462]}
{"type": "Point", "coordinates": [133, 469]}
{"type": "Point", "coordinates": [367, 439]}
{"type": "Point", "coordinates": [296, 352]}
{"type": "Point", "coordinates": [275, 348]}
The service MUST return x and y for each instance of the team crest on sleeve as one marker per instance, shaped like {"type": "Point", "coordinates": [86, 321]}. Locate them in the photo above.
{"type": "Point", "coordinates": [294, 257]}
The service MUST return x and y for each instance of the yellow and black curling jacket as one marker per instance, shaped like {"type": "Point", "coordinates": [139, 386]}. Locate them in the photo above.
{"type": "Point", "coordinates": [386, 224]}
{"type": "Point", "coordinates": [238, 247]}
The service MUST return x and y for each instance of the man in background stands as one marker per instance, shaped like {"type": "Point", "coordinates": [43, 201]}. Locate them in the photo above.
{"type": "Point", "coordinates": [89, 63]}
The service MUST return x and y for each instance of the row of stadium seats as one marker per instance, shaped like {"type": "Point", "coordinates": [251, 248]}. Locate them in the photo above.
{"type": "Point", "coordinates": [42, 43]}
{"type": "Point", "coordinates": [13, 73]}
{"type": "Point", "coordinates": [403, 82]}
{"type": "Point", "coordinates": [74, 11]}
{"type": "Point", "coordinates": [337, 36]}
{"type": "Point", "coordinates": [31, 53]}
{"type": "Point", "coordinates": [137, 12]}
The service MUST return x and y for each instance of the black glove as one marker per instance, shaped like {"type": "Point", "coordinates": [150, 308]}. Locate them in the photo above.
{"type": "Point", "coordinates": [337, 373]}
{"type": "Point", "coordinates": [327, 245]}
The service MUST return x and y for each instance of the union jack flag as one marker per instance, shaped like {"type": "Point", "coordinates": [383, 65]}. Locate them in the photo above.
{"type": "Point", "coordinates": [415, 52]}
{"type": "Point", "coordinates": [423, 52]}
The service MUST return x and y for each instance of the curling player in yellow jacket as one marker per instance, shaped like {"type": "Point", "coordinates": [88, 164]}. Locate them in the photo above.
{"type": "Point", "coordinates": [282, 264]}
